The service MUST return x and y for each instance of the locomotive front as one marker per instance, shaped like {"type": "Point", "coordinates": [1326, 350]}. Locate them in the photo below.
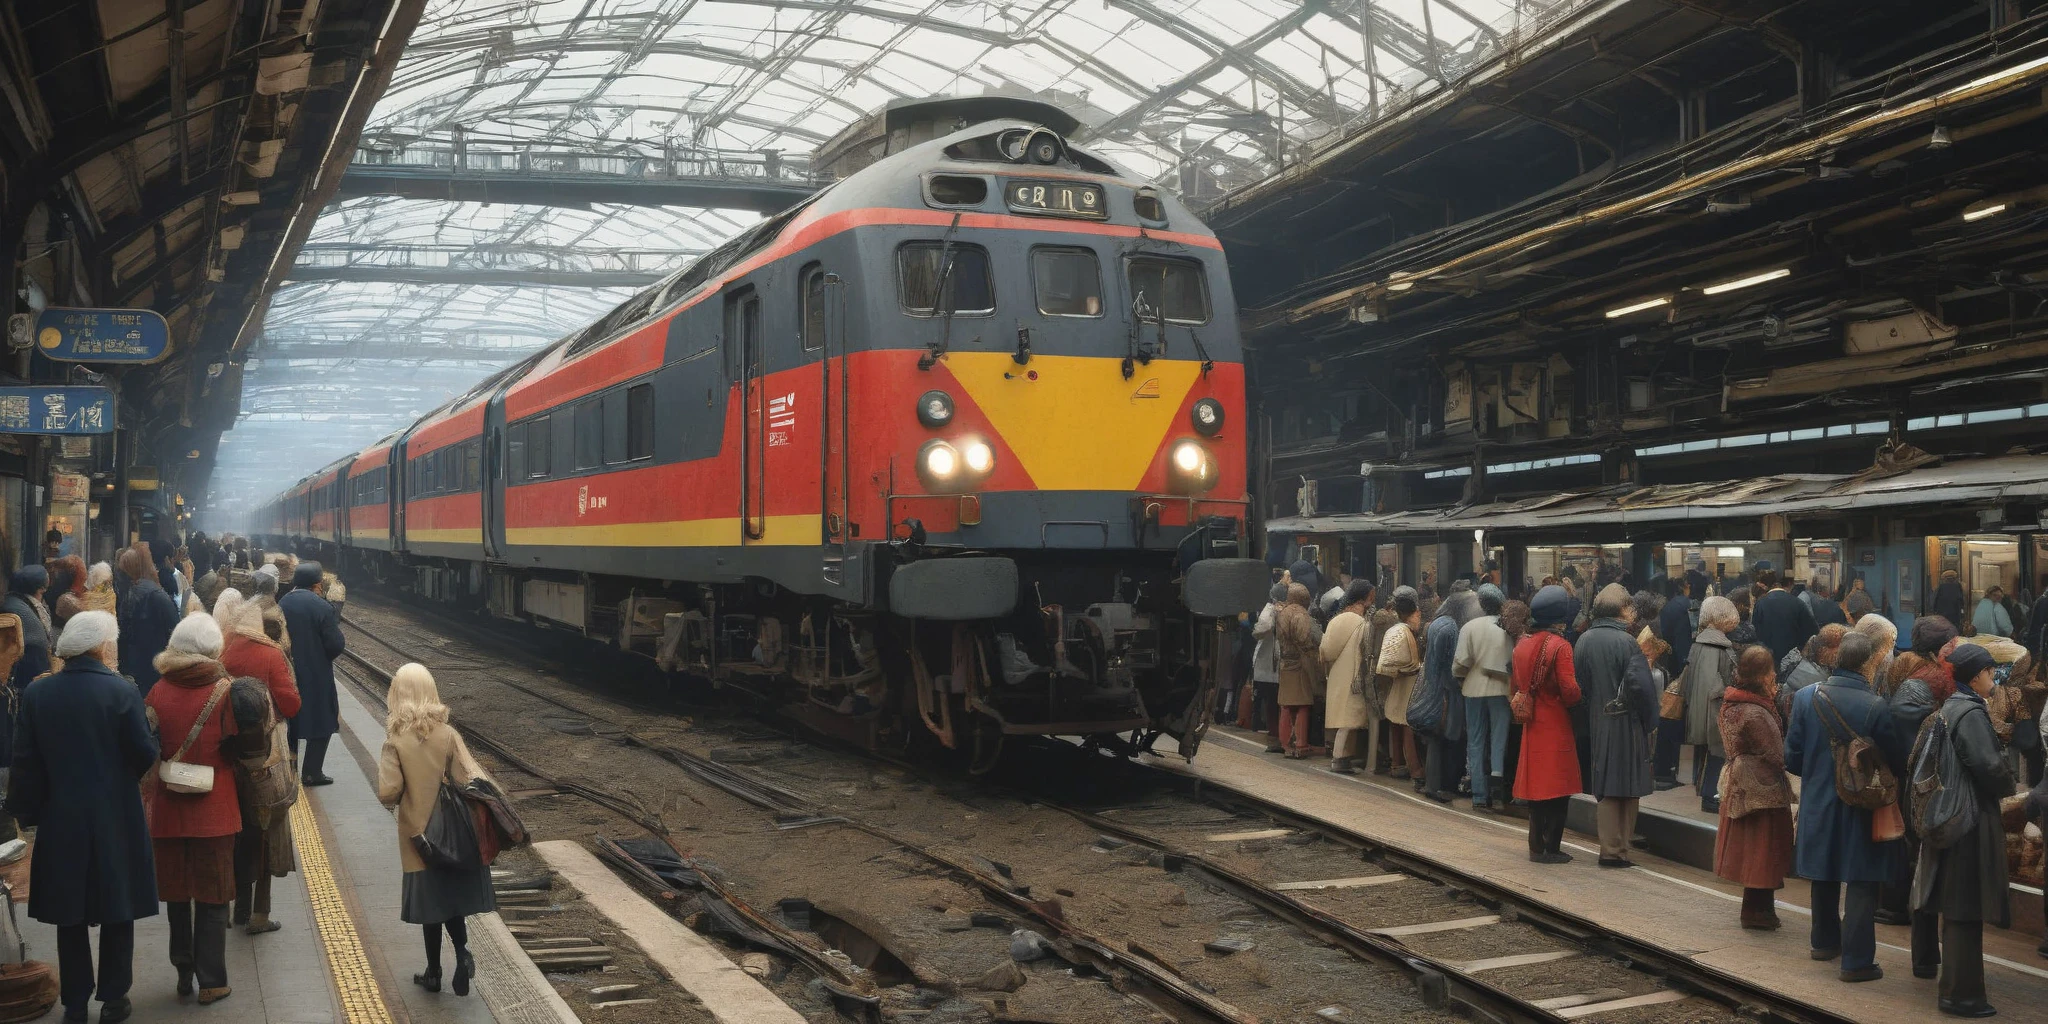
{"type": "Point", "coordinates": [1058, 440]}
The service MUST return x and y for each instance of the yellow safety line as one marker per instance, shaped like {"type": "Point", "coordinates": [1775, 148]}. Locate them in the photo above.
{"type": "Point", "coordinates": [361, 1000]}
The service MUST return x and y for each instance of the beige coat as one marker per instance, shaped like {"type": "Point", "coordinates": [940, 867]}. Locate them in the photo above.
{"type": "Point", "coordinates": [1352, 653]}
{"type": "Point", "coordinates": [409, 774]}
{"type": "Point", "coordinates": [1401, 663]}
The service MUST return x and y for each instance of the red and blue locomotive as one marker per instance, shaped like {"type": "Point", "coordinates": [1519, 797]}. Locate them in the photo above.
{"type": "Point", "coordinates": [958, 443]}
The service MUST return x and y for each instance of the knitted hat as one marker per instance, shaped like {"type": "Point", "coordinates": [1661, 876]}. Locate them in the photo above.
{"type": "Point", "coordinates": [267, 569]}
{"type": "Point", "coordinates": [1931, 633]}
{"type": "Point", "coordinates": [1967, 660]}
{"type": "Point", "coordinates": [1489, 590]}
{"type": "Point", "coordinates": [86, 632]}
{"type": "Point", "coordinates": [1550, 606]}
{"type": "Point", "coordinates": [197, 634]}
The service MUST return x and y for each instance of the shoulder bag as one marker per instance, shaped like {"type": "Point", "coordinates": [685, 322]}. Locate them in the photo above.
{"type": "Point", "coordinates": [177, 775]}
{"type": "Point", "coordinates": [1862, 779]}
{"type": "Point", "coordinates": [449, 840]}
{"type": "Point", "coordinates": [268, 782]}
{"type": "Point", "coordinates": [1671, 706]}
{"type": "Point", "coordinates": [1944, 805]}
{"type": "Point", "coordinates": [1522, 703]}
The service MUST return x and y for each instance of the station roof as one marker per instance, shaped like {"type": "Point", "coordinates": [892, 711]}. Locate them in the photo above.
{"type": "Point", "coordinates": [1960, 484]}
{"type": "Point", "coordinates": [622, 137]}
{"type": "Point", "coordinates": [157, 154]}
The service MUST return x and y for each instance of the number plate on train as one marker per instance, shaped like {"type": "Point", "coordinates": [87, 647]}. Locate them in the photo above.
{"type": "Point", "coordinates": [1055, 198]}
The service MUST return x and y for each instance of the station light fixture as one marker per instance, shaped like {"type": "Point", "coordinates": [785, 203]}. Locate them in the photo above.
{"type": "Point", "coordinates": [1977, 213]}
{"type": "Point", "coordinates": [1638, 307]}
{"type": "Point", "coordinates": [1748, 282]}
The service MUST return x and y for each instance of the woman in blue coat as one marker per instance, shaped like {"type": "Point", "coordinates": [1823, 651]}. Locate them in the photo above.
{"type": "Point", "coordinates": [81, 745]}
{"type": "Point", "coordinates": [1835, 848]}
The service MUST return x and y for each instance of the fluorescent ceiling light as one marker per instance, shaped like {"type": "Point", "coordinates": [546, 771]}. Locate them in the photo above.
{"type": "Point", "coordinates": [1745, 282]}
{"type": "Point", "coordinates": [1661, 300]}
{"type": "Point", "coordinates": [1999, 76]}
{"type": "Point", "coordinates": [1981, 212]}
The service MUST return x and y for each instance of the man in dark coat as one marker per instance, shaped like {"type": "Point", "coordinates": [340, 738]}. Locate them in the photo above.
{"type": "Point", "coordinates": [1826, 610]}
{"type": "Point", "coordinates": [1783, 622]}
{"type": "Point", "coordinates": [1835, 848]}
{"type": "Point", "coordinates": [147, 617]}
{"type": "Point", "coordinates": [1621, 701]}
{"type": "Point", "coordinates": [82, 745]}
{"type": "Point", "coordinates": [315, 629]}
{"type": "Point", "coordinates": [1966, 882]}
{"type": "Point", "coordinates": [1948, 599]}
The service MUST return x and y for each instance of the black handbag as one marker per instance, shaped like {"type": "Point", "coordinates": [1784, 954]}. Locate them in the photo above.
{"type": "Point", "coordinates": [449, 840]}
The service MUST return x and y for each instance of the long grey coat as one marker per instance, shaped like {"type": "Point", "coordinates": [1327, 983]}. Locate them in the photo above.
{"type": "Point", "coordinates": [1609, 665]}
{"type": "Point", "coordinates": [1709, 671]}
{"type": "Point", "coordinates": [1967, 881]}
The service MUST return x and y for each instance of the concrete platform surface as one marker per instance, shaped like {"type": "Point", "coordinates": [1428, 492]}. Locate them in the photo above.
{"type": "Point", "coordinates": [1671, 906]}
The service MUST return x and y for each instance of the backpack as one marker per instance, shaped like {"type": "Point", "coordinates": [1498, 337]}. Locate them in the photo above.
{"type": "Point", "coordinates": [1862, 779]}
{"type": "Point", "coordinates": [1944, 808]}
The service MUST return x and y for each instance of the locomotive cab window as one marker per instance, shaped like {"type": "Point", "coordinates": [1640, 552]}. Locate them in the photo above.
{"type": "Point", "coordinates": [1173, 287]}
{"type": "Point", "coordinates": [814, 308]}
{"type": "Point", "coordinates": [1069, 282]}
{"type": "Point", "coordinates": [938, 279]}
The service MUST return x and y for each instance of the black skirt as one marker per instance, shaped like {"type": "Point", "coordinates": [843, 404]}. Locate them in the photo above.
{"type": "Point", "coordinates": [439, 895]}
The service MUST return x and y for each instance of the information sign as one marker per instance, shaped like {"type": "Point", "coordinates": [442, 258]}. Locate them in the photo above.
{"type": "Point", "coordinates": [102, 335]}
{"type": "Point", "coordinates": [55, 410]}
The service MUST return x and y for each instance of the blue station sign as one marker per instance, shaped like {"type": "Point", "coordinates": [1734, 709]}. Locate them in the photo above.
{"type": "Point", "coordinates": [102, 335]}
{"type": "Point", "coordinates": [79, 410]}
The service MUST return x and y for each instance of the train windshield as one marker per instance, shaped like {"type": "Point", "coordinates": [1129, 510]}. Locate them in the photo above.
{"type": "Point", "coordinates": [969, 289]}
{"type": "Point", "coordinates": [1069, 282]}
{"type": "Point", "coordinates": [1173, 288]}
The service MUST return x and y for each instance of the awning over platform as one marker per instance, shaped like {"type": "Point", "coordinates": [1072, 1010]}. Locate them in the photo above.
{"type": "Point", "coordinates": [1970, 482]}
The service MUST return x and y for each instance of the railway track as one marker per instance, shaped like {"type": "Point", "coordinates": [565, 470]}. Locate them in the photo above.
{"type": "Point", "coordinates": [1443, 940]}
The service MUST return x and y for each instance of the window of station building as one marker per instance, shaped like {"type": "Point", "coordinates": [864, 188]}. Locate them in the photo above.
{"type": "Point", "coordinates": [813, 311]}
{"type": "Point", "coordinates": [540, 462]}
{"type": "Point", "coordinates": [1176, 287]}
{"type": "Point", "coordinates": [1068, 281]}
{"type": "Point", "coordinates": [970, 288]}
{"type": "Point", "coordinates": [586, 432]}
{"type": "Point", "coordinates": [640, 422]}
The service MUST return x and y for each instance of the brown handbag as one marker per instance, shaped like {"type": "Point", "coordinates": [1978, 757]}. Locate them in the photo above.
{"type": "Point", "coordinates": [1671, 707]}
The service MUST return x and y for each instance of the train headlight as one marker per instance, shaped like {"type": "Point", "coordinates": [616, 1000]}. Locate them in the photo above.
{"type": "Point", "coordinates": [1208, 417]}
{"type": "Point", "coordinates": [939, 462]}
{"type": "Point", "coordinates": [1191, 466]}
{"type": "Point", "coordinates": [935, 409]}
{"type": "Point", "coordinates": [979, 457]}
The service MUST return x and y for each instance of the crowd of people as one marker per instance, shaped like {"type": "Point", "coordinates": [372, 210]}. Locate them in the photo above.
{"type": "Point", "coordinates": [1898, 764]}
{"type": "Point", "coordinates": [159, 724]}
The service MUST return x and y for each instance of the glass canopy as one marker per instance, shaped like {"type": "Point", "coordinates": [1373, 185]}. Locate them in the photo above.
{"type": "Point", "coordinates": [400, 301]}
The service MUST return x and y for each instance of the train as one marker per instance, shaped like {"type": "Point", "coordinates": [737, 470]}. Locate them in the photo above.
{"type": "Point", "coordinates": [954, 450]}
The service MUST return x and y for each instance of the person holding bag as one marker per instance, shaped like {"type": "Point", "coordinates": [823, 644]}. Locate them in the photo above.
{"type": "Point", "coordinates": [1965, 880]}
{"type": "Point", "coordinates": [1546, 686]}
{"type": "Point", "coordinates": [194, 811]}
{"type": "Point", "coordinates": [1350, 651]}
{"type": "Point", "coordinates": [1753, 847]}
{"type": "Point", "coordinates": [1400, 663]}
{"type": "Point", "coordinates": [423, 758]}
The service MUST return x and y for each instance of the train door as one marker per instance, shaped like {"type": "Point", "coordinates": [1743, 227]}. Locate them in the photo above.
{"type": "Point", "coordinates": [495, 461]}
{"type": "Point", "coordinates": [822, 330]}
{"type": "Point", "coordinates": [401, 485]}
{"type": "Point", "coordinates": [747, 367]}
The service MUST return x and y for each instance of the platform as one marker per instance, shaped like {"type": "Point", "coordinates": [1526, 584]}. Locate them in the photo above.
{"type": "Point", "coordinates": [1672, 906]}
{"type": "Point", "coordinates": [342, 954]}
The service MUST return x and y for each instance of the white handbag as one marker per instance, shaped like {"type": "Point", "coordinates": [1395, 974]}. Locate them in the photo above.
{"type": "Point", "coordinates": [180, 777]}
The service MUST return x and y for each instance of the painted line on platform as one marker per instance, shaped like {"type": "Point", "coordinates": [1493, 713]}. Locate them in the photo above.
{"type": "Point", "coordinates": [1518, 827]}
{"type": "Point", "coordinates": [362, 1002]}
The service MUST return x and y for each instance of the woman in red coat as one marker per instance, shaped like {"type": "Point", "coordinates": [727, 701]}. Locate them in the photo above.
{"type": "Point", "coordinates": [1548, 772]}
{"type": "Point", "coordinates": [263, 849]}
{"type": "Point", "coordinates": [193, 834]}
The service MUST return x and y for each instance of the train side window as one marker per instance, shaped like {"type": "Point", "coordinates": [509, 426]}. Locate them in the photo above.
{"type": "Point", "coordinates": [1175, 286]}
{"type": "Point", "coordinates": [640, 422]}
{"type": "Point", "coordinates": [614, 428]}
{"type": "Point", "coordinates": [813, 311]}
{"type": "Point", "coordinates": [742, 333]}
{"type": "Point", "coordinates": [586, 430]}
{"type": "Point", "coordinates": [1069, 281]}
{"type": "Point", "coordinates": [473, 465]}
{"type": "Point", "coordinates": [970, 289]}
{"type": "Point", "coordinates": [540, 439]}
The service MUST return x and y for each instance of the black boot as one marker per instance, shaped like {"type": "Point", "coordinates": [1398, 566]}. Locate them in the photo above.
{"type": "Point", "coordinates": [465, 968]}
{"type": "Point", "coordinates": [429, 980]}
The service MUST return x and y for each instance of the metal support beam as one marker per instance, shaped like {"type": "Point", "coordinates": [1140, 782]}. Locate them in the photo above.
{"type": "Point", "coordinates": [570, 189]}
{"type": "Point", "coordinates": [502, 276]}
